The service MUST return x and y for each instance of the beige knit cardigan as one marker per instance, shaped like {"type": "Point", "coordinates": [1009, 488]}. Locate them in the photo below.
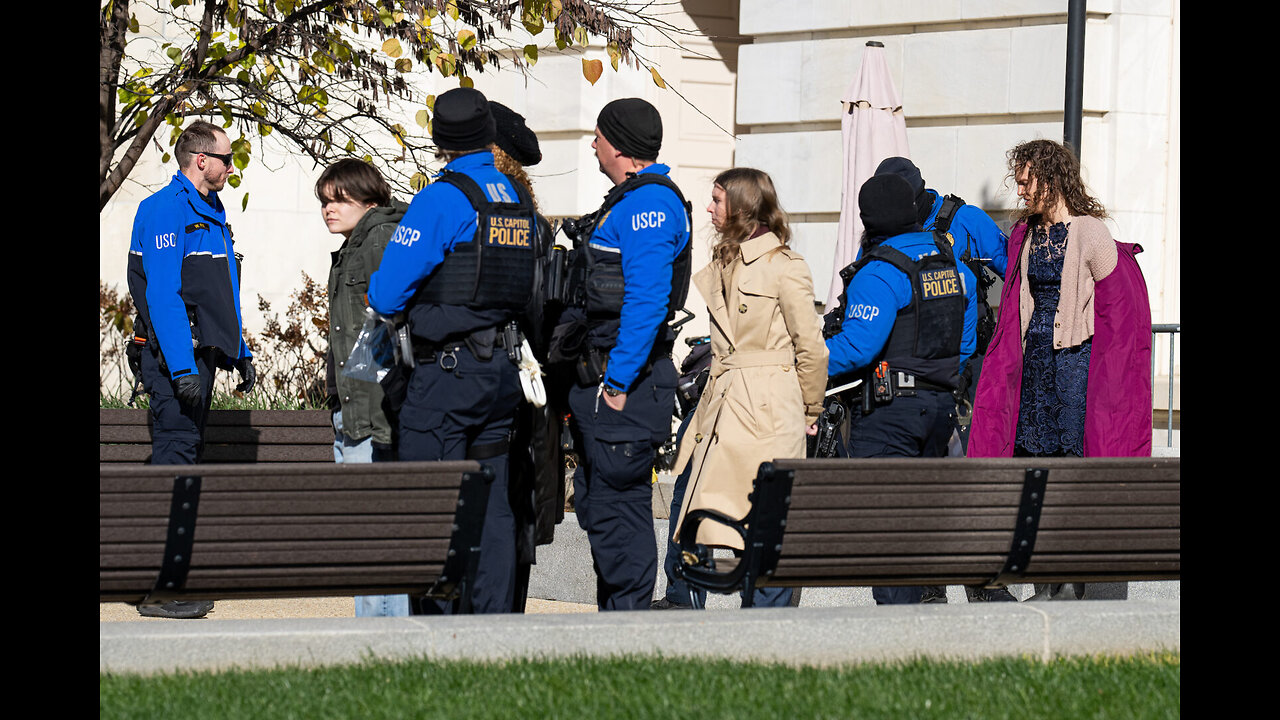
{"type": "Point", "coordinates": [1090, 257]}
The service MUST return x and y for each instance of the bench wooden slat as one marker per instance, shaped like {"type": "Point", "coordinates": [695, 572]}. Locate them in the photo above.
{"type": "Point", "coordinates": [797, 545]}
{"type": "Point", "coordinates": [278, 528]}
{"type": "Point", "coordinates": [270, 480]}
{"type": "Point", "coordinates": [258, 418]}
{"type": "Point", "coordinates": [888, 519]}
{"type": "Point", "coordinates": [137, 454]}
{"type": "Point", "coordinates": [956, 498]}
{"type": "Point", "coordinates": [284, 554]}
{"type": "Point", "coordinates": [134, 434]}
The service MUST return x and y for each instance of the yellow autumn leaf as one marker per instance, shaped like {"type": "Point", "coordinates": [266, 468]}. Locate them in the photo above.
{"type": "Point", "coordinates": [466, 39]}
{"type": "Point", "coordinates": [614, 55]}
{"type": "Point", "coordinates": [591, 70]}
{"type": "Point", "coordinates": [422, 117]}
{"type": "Point", "coordinates": [392, 47]}
{"type": "Point", "coordinates": [404, 65]}
{"type": "Point", "coordinates": [657, 79]}
{"type": "Point", "coordinates": [531, 54]}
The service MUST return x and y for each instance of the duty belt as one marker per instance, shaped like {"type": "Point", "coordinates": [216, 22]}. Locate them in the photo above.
{"type": "Point", "coordinates": [906, 384]}
{"type": "Point", "coordinates": [428, 352]}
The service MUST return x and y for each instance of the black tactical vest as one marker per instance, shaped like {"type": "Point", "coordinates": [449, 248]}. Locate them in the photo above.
{"type": "Point", "coordinates": [926, 335]}
{"type": "Point", "coordinates": [496, 270]}
{"type": "Point", "coordinates": [595, 274]}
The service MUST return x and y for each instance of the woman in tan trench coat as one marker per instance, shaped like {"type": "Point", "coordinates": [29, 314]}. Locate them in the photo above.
{"type": "Point", "coordinates": [769, 367]}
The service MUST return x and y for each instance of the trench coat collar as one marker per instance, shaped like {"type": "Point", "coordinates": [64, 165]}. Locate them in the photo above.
{"type": "Point", "coordinates": [757, 246]}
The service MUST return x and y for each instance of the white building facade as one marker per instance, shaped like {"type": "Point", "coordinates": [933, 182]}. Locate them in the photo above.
{"type": "Point", "coordinates": [765, 80]}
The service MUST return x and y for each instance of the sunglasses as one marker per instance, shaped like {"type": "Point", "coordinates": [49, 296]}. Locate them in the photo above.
{"type": "Point", "coordinates": [226, 159]}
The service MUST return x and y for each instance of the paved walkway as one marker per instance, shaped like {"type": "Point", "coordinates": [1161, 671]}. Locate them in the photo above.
{"type": "Point", "coordinates": [810, 636]}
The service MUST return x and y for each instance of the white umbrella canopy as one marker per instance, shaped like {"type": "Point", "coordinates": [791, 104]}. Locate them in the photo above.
{"type": "Point", "coordinates": [873, 128]}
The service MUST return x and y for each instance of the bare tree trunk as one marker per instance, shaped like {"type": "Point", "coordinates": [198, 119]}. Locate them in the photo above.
{"type": "Point", "coordinates": [114, 25]}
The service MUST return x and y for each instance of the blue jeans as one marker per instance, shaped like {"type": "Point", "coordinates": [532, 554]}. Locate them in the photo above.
{"type": "Point", "coordinates": [346, 450]}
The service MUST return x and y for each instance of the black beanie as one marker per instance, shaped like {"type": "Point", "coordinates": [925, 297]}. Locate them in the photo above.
{"type": "Point", "coordinates": [462, 121]}
{"type": "Point", "coordinates": [908, 171]}
{"type": "Point", "coordinates": [886, 206]}
{"type": "Point", "coordinates": [513, 136]}
{"type": "Point", "coordinates": [633, 127]}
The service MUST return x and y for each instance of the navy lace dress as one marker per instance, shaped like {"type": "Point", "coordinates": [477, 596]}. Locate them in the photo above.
{"type": "Point", "coordinates": [1051, 412]}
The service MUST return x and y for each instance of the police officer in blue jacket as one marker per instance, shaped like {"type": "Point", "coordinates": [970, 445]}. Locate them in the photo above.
{"type": "Point", "coordinates": [976, 235]}
{"type": "Point", "coordinates": [460, 266]}
{"type": "Point", "coordinates": [978, 243]}
{"type": "Point", "coordinates": [184, 276]}
{"type": "Point", "coordinates": [630, 274]}
{"type": "Point", "coordinates": [908, 327]}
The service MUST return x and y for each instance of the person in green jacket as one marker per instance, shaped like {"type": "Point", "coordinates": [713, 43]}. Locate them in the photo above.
{"type": "Point", "coordinates": [356, 203]}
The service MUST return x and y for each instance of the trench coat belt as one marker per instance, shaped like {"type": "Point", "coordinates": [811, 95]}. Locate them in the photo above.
{"type": "Point", "coordinates": [751, 358]}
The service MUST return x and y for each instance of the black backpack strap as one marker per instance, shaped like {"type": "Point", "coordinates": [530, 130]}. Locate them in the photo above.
{"type": "Point", "coordinates": [950, 204]}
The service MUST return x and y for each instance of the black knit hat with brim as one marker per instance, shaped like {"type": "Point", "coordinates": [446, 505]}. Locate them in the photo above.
{"type": "Point", "coordinates": [886, 206]}
{"type": "Point", "coordinates": [462, 121]}
{"type": "Point", "coordinates": [633, 127]}
{"type": "Point", "coordinates": [513, 136]}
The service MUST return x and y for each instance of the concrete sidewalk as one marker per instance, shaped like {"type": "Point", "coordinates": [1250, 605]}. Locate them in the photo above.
{"type": "Point", "coordinates": [808, 636]}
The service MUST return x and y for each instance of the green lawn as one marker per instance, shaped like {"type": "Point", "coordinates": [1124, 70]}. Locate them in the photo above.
{"type": "Point", "coordinates": [664, 689]}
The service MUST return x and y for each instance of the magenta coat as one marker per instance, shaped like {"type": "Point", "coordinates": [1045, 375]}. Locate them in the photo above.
{"type": "Point", "coordinates": [1117, 419]}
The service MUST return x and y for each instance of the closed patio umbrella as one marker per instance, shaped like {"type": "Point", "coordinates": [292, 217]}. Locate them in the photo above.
{"type": "Point", "coordinates": [873, 128]}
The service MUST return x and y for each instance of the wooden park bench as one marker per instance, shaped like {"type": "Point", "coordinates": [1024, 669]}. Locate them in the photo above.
{"type": "Point", "coordinates": [208, 532]}
{"type": "Point", "coordinates": [947, 521]}
{"type": "Point", "coordinates": [269, 514]}
{"type": "Point", "coordinates": [231, 436]}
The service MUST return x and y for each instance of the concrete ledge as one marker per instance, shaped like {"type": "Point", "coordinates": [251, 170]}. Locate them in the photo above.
{"type": "Point", "coordinates": [798, 636]}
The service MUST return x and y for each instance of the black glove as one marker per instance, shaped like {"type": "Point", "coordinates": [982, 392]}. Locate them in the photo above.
{"type": "Point", "coordinates": [188, 389]}
{"type": "Point", "coordinates": [248, 376]}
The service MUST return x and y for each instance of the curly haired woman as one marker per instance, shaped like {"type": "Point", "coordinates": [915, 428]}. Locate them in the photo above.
{"type": "Point", "coordinates": [1068, 370]}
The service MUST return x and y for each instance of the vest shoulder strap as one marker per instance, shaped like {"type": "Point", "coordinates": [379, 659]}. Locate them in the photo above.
{"type": "Point", "coordinates": [638, 181]}
{"type": "Point", "coordinates": [950, 204]}
{"type": "Point", "coordinates": [893, 256]}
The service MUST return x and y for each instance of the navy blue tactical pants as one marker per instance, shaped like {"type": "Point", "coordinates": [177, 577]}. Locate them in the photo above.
{"type": "Point", "coordinates": [447, 415]}
{"type": "Point", "coordinates": [177, 429]}
{"type": "Point", "coordinates": [613, 493]}
{"type": "Point", "coordinates": [917, 426]}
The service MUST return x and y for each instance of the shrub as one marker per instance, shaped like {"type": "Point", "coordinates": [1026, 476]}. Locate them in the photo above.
{"type": "Point", "coordinates": [289, 356]}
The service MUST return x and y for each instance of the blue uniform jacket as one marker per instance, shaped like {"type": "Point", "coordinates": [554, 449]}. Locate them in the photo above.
{"type": "Point", "coordinates": [649, 228]}
{"type": "Point", "coordinates": [182, 255]}
{"type": "Point", "coordinates": [875, 295]}
{"type": "Point", "coordinates": [974, 229]}
{"type": "Point", "coordinates": [438, 218]}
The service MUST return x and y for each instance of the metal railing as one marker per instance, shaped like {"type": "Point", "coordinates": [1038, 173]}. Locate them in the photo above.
{"type": "Point", "coordinates": [1172, 330]}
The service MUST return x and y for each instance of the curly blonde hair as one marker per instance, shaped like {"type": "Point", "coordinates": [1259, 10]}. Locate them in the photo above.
{"type": "Point", "coordinates": [750, 202]}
